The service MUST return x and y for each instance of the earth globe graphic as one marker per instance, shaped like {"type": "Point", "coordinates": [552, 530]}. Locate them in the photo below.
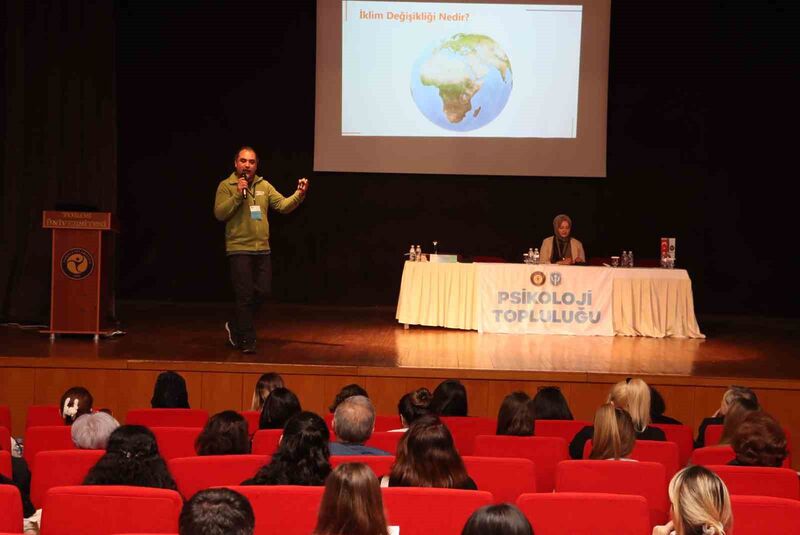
{"type": "Point", "coordinates": [462, 82]}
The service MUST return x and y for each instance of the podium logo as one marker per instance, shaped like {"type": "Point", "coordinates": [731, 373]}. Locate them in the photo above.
{"type": "Point", "coordinates": [77, 264]}
{"type": "Point", "coordinates": [538, 278]}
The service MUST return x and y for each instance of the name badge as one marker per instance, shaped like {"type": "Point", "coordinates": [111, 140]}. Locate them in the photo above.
{"type": "Point", "coordinates": [260, 193]}
{"type": "Point", "coordinates": [255, 212]}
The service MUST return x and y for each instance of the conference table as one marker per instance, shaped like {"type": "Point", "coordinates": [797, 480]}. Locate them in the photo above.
{"type": "Point", "coordinates": [548, 299]}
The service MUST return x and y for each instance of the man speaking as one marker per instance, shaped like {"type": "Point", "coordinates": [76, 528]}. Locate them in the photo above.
{"type": "Point", "coordinates": [242, 202]}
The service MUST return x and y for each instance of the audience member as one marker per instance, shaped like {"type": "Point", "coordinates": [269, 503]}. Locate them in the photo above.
{"type": "Point", "coordinates": [499, 519]}
{"type": "Point", "coordinates": [550, 404]}
{"type": "Point", "coordinates": [657, 409]}
{"type": "Point", "coordinates": [265, 384]}
{"type": "Point", "coordinates": [449, 399]}
{"type": "Point", "coordinates": [27, 506]}
{"type": "Point", "coordinates": [353, 423]}
{"type": "Point", "coordinates": [700, 504]}
{"type": "Point", "coordinates": [75, 402]}
{"type": "Point", "coordinates": [427, 457]}
{"type": "Point", "coordinates": [131, 458]}
{"type": "Point", "coordinates": [352, 503]}
{"type": "Point", "coordinates": [718, 418]}
{"type": "Point", "coordinates": [516, 415]}
{"type": "Point", "coordinates": [170, 392]}
{"type": "Point", "coordinates": [225, 433]}
{"type": "Point", "coordinates": [302, 457]}
{"type": "Point", "coordinates": [614, 436]}
{"type": "Point", "coordinates": [217, 511]}
{"type": "Point", "coordinates": [413, 405]}
{"type": "Point", "coordinates": [91, 431]}
{"type": "Point", "coordinates": [759, 441]}
{"type": "Point", "coordinates": [280, 405]}
{"type": "Point", "coordinates": [737, 412]}
{"type": "Point", "coordinates": [346, 392]}
{"type": "Point", "coordinates": [633, 396]}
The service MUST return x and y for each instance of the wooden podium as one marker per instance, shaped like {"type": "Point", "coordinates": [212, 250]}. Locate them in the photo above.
{"type": "Point", "coordinates": [81, 291]}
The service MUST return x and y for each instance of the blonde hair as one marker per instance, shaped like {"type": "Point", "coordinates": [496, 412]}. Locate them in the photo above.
{"type": "Point", "coordinates": [633, 395]}
{"type": "Point", "coordinates": [700, 502]}
{"type": "Point", "coordinates": [614, 436]}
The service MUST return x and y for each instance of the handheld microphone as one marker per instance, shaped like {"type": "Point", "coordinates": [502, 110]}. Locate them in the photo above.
{"type": "Point", "coordinates": [244, 191]}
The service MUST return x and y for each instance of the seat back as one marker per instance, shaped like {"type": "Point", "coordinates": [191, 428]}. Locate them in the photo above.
{"type": "Point", "coordinates": [167, 417]}
{"type": "Point", "coordinates": [756, 515]}
{"type": "Point", "coordinates": [105, 509]}
{"type": "Point", "coordinates": [5, 417]}
{"type": "Point", "coordinates": [384, 440]}
{"type": "Point", "coordinates": [46, 438]}
{"type": "Point", "coordinates": [253, 418]}
{"type": "Point", "coordinates": [682, 435]}
{"type": "Point", "coordinates": [284, 509]}
{"type": "Point", "coordinates": [545, 452]}
{"type": "Point", "coordinates": [654, 451]}
{"type": "Point", "coordinates": [174, 442]}
{"type": "Point", "coordinates": [566, 429]}
{"type": "Point", "coordinates": [712, 455]}
{"type": "Point", "coordinates": [381, 465]}
{"type": "Point", "coordinates": [618, 477]}
{"type": "Point", "coordinates": [425, 511]}
{"type": "Point", "coordinates": [40, 415]}
{"type": "Point", "coordinates": [506, 478]}
{"type": "Point", "coordinates": [10, 509]}
{"type": "Point", "coordinates": [60, 468]}
{"type": "Point", "coordinates": [5, 439]}
{"type": "Point", "coordinates": [193, 474]}
{"type": "Point", "coordinates": [5, 464]}
{"type": "Point", "coordinates": [265, 441]}
{"type": "Point", "coordinates": [465, 428]}
{"type": "Point", "coordinates": [387, 422]}
{"type": "Point", "coordinates": [589, 513]}
{"type": "Point", "coordinates": [759, 481]}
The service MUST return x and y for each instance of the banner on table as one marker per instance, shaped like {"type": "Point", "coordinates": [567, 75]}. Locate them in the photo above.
{"type": "Point", "coordinates": [544, 299]}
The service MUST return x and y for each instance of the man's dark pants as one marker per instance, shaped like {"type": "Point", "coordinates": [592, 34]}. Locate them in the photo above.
{"type": "Point", "coordinates": [251, 275]}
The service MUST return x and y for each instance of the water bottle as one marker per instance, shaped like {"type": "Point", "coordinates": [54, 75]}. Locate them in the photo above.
{"type": "Point", "coordinates": [624, 259]}
{"type": "Point", "coordinates": [419, 253]}
{"type": "Point", "coordinates": [536, 256]}
{"type": "Point", "coordinates": [412, 254]}
{"type": "Point", "coordinates": [630, 259]}
{"type": "Point", "coordinates": [530, 256]}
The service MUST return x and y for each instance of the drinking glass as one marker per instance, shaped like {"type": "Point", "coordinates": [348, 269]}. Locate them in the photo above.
{"type": "Point", "coordinates": [614, 261]}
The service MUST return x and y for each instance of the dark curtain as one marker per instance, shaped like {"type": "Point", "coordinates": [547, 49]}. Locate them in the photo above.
{"type": "Point", "coordinates": [60, 135]}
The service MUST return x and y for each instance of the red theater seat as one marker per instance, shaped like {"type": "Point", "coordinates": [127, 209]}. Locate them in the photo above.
{"type": "Point", "coordinates": [465, 428]}
{"type": "Point", "coordinates": [10, 509]}
{"type": "Point", "coordinates": [252, 418]}
{"type": "Point", "coordinates": [618, 477]}
{"type": "Point", "coordinates": [60, 469]}
{"type": "Point", "coordinates": [5, 417]}
{"type": "Point", "coordinates": [385, 441]}
{"type": "Point", "coordinates": [288, 510]}
{"type": "Point", "coordinates": [5, 464]}
{"type": "Point", "coordinates": [46, 438]}
{"type": "Point", "coordinates": [193, 474]}
{"type": "Point", "coordinates": [103, 510]}
{"type": "Point", "coordinates": [174, 442]}
{"type": "Point", "coordinates": [712, 455]}
{"type": "Point", "coordinates": [680, 435]}
{"type": "Point", "coordinates": [265, 441]}
{"type": "Point", "coordinates": [167, 417]}
{"type": "Point", "coordinates": [505, 478]}
{"type": "Point", "coordinates": [759, 481]}
{"type": "Point", "coordinates": [381, 464]}
{"type": "Point", "coordinates": [545, 452]}
{"type": "Point", "coordinates": [566, 429]}
{"type": "Point", "coordinates": [40, 415]}
{"type": "Point", "coordinates": [579, 513]}
{"type": "Point", "coordinates": [757, 515]}
{"type": "Point", "coordinates": [654, 451]}
{"type": "Point", "coordinates": [419, 511]}
{"type": "Point", "coordinates": [5, 439]}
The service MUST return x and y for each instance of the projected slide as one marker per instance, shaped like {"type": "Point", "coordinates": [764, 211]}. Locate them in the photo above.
{"type": "Point", "coordinates": [414, 69]}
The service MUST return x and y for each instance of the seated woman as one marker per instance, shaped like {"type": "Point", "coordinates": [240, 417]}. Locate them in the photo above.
{"type": "Point", "coordinates": [550, 404]}
{"type": "Point", "coordinates": [302, 458]}
{"type": "Point", "coordinates": [633, 396]}
{"type": "Point", "coordinates": [700, 504]}
{"type": "Point", "coordinates": [131, 458]}
{"type": "Point", "coordinates": [449, 399]}
{"type": "Point", "coordinates": [657, 409]}
{"type": "Point", "coordinates": [759, 441]}
{"type": "Point", "coordinates": [427, 457]}
{"type": "Point", "coordinates": [718, 418]}
{"type": "Point", "coordinates": [225, 433]}
{"type": "Point", "coordinates": [265, 384]}
{"type": "Point", "coordinates": [280, 405]}
{"type": "Point", "coordinates": [75, 402]}
{"type": "Point", "coordinates": [92, 431]}
{"type": "Point", "coordinates": [413, 405]}
{"type": "Point", "coordinates": [352, 503]}
{"type": "Point", "coordinates": [170, 392]}
{"type": "Point", "coordinates": [500, 519]}
{"type": "Point", "coordinates": [561, 247]}
{"type": "Point", "coordinates": [737, 412]}
{"type": "Point", "coordinates": [614, 436]}
{"type": "Point", "coordinates": [516, 417]}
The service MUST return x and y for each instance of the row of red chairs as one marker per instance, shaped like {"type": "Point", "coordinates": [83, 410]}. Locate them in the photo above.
{"type": "Point", "coordinates": [293, 511]}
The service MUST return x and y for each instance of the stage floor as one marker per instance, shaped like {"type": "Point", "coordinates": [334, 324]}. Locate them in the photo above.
{"type": "Point", "coordinates": [736, 347]}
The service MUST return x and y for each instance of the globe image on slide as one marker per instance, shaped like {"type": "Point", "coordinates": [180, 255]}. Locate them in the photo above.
{"type": "Point", "coordinates": [463, 82]}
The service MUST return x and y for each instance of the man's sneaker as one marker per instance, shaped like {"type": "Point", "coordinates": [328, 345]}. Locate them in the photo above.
{"type": "Point", "coordinates": [234, 343]}
{"type": "Point", "coordinates": [249, 346]}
